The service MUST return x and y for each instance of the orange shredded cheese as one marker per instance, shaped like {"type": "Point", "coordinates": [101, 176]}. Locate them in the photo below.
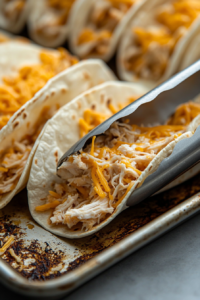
{"type": "Point", "coordinates": [92, 119]}
{"type": "Point", "coordinates": [97, 186]}
{"type": "Point", "coordinates": [120, 200]}
{"type": "Point", "coordinates": [16, 91]}
{"type": "Point", "coordinates": [92, 148]}
{"type": "Point", "coordinates": [7, 245]}
{"type": "Point", "coordinates": [102, 179]}
{"type": "Point", "coordinates": [81, 189]}
{"type": "Point", "coordinates": [55, 195]}
{"type": "Point", "coordinates": [47, 206]}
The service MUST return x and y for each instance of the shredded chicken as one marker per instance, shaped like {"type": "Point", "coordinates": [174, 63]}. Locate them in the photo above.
{"type": "Point", "coordinates": [149, 53]}
{"type": "Point", "coordinates": [13, 8]}
{"type": "Point", "coordinates": [104, 17]}
{"type": "Point", "coordinates": [55, 16]}
{"type": "Point", "coordinates": [13, 160]}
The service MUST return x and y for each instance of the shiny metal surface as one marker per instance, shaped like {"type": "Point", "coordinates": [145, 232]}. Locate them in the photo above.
{"type": "Point", "coordinates": [85, 258]}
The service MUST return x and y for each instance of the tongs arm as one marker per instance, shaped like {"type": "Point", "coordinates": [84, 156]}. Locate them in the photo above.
{"type": "Point", "coordinates": [185, 155]}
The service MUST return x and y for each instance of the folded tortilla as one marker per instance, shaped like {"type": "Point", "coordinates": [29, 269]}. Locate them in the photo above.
{"type": "Point", "coordinates": [155, 40]}
{"type": "Point", "coordinates": [20, 137]}
{"type": "Point", "coordinates": [48, 21]}
{"type": "Point", "coordinates": [55, 202]}
{"type": "Point", "coordinates": [99, 26]}
{"type": "Point", "coordinates": [13, 14]}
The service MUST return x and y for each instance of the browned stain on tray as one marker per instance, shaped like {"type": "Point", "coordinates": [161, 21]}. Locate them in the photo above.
{"type": "Point", "coordinates": [44, 259]}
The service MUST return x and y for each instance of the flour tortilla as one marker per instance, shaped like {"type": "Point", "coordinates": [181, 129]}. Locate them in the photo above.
{"type": "Point", "coordinates": [78, 20]}
{"type": "Point", "coordinates": [193, 45]}
{"type": "Point", "coordinates": [14, 26]}
{"type": "Point", "coordinates": [145, 18]}
{"type": "Point", "coordinates": [61, 132]}
{"type": "Point", "coordinates": [38, 10]}
{"type": "Point", "coordinates": [59, 90]}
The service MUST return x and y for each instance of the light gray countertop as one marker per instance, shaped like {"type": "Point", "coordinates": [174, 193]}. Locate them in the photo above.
{"type": "Point", "coordinates": [168, 268]}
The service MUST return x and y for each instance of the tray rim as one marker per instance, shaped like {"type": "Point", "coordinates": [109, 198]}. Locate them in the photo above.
{"type": "Point", "coordinates": [68, 282]}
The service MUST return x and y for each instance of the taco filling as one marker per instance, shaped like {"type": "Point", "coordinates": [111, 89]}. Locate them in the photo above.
{"type": "Point", "coordinates": [149, 52]}
{"type": "Point", "coordinates": [13, 8]}
{"type": "Point", "coordinates": [95, 181]}
{"type": "Point", "coordinates": [55, 16]}
{"type": "Point", "coordinates": [13, 160]}
{"type": "Point", "coordinates": [16, 91]}
{"type": "Point", "coordinates": [104, 17]}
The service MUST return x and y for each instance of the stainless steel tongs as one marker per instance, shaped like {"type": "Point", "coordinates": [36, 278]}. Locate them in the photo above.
{"type": "Point", "coordinates": [161, 101]}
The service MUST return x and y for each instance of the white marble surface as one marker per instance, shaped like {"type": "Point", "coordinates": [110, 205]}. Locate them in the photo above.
{"type": "Point", "coordinates": [168, 268]}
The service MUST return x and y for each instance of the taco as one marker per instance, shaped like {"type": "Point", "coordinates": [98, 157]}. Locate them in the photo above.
{"type": "Point", "coordinates": [48, 21]}
{"type": "Point", "coordinates": [13, 14]}
{"type": "Point", "coordinates": [24, 70]}
{"type": "Point", "coordinates": [99, 25]}
{"type": "Point", "coordinates": [93, 185]}
{"type": "Point", "coordinates": [20, 137]}
{"type": "Point", "coordinates": [156, 39]}
{"type": "Point", "coordinates": [193, 43]}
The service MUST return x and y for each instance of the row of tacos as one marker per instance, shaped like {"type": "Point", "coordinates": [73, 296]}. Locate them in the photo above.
{"type": "Point", "coordinates": [48, 101]}
{"type": "Point", "coordinates": [154, 38]}
{"type": "Point", "coordinates": [34, 84]}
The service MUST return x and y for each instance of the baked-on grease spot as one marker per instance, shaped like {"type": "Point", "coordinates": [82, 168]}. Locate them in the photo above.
{"type": "Point", "coordinates": [36, 161]}
{"type": "Point", "coordinates": [150, 168]}
{"type": "Point", "coordinates": [24, 115]}
{"type": "Point", "coordinates": [28, 124]}
{"type": "Point", "coordinates": [73, 117]}
{"type": "Point", "coordinates": [30, 226]}
{"type": "Point", "coordinates": [52, 93]}
{"type": "Point", "coordinates": [15, 124]}
{"type": "Point", "coordinates": [86, 75]}
{"type": "Point", "coordinates": [46, 98]}
{"type": "Point", "coordinates": [93, 107]}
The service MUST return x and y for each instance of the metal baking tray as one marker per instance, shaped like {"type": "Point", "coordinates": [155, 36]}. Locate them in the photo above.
{"type": "Point", "coordinates": [50, 266]}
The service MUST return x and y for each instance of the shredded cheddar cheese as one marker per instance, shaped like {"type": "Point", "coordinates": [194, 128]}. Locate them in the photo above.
{"type": "Point", "coordinates": [149, 53]}
{"type": "Point", "coordinates": [92, 148]}
{"type": "Point", "coordinates": [16, 91]}
{"type": "Point", "coordinates": [7, 245]}
{"type": "Point", "coordinates": [47, 206]}
{"type": "Point", "coordinates": [103, 19]}
{"type": "Point", "coordinates": [92, 119]}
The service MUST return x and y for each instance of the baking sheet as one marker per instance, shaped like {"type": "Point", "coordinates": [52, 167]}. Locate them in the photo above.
{"type": "Point", "coordinates": [68, 263]}
{"type": "Point", "coordinates": [49, 266]}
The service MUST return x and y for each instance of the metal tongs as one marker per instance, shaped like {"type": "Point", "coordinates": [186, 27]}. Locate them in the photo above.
{"type": "Point", "coordinates": [161, 103]}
